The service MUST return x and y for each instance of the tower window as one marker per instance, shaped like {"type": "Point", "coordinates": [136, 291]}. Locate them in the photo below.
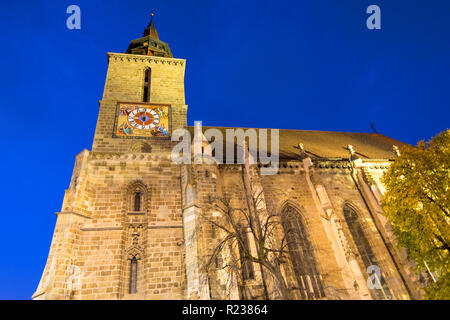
{"type": "Point", "coordinates": [133, 275]}
{"type": "Point", "coordinates": [147, 83]}
{"type": "Point", "coordinates": [137, 201]}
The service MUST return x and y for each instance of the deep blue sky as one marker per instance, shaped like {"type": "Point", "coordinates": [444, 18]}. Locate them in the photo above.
{"type": "Point", "coordinates": [278, 64]}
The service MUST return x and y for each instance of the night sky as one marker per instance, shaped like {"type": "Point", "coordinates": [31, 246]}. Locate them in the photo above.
{"type": "Point", "coordinates": [302, 64]}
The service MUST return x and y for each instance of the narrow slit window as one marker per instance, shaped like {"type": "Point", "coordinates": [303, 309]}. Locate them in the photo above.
{"type": "Point", "coordinates": [147, 84]}
{"type": "Point", "coordinates": [133, 275]}
{"type": "Point", "coordinates": [213, 231]}
{"type": "Point", "coordinates": [216, 262]}
{"type": "Point", "coordinates": [137, 201]}
{"type": "Point", "coordinates": [145, 94]}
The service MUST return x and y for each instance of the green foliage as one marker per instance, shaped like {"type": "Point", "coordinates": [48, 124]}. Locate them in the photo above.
{"type": "Point", "coordinates": [417, 202]}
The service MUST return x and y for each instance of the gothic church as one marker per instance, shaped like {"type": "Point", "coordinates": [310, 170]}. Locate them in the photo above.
{"type": "Point", "coordinates": [130, 225]}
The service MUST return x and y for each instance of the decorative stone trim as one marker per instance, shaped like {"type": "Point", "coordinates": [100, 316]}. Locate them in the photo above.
{"type": "Point", "coordinates": [127, 156]}
{"type": "Point", "coordinates": [141, 58]}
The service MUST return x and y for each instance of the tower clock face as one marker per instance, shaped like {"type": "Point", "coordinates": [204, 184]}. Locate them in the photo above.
{"type": "Point", "coordinates": [142, 120]}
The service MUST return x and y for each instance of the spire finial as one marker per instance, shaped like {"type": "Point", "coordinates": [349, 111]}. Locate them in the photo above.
{"type": "Point", "coordinates": [151, 30]}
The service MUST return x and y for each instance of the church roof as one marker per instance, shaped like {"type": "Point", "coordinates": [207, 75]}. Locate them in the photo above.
{"type": "Point", "coordinates": [327, 144]}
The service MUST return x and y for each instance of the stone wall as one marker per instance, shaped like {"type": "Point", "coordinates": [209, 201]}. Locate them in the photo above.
{"type": "Point", "coordinates": [97, 231]}
{"type": "Point", "coordinates": [92, 243]}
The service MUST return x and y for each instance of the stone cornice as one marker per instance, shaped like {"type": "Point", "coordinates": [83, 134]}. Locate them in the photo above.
{"type": "Point", "coordinates": [129, 156]}
{"type": "Point", "coordinates": [345, 164]}
{"type": "Point", "coordinates": [73, 213]}
{"type": "Point", "coordinates": [165, 226]}
{"type": "Point", "coordinates": [284, 164]}
{"type": "Point", "coordinates": [142, 58]}
{"type": "Point", "coordinates": [100, 228]}
{"type": "Point", "coordinates": [117, 228]}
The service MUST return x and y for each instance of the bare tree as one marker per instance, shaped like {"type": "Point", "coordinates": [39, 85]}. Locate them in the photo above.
{"type": "Point", "coordinates": [237, 227]}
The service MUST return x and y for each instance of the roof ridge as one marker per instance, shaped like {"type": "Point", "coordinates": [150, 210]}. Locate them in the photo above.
{"type": "Point", "coordinates": [303, 130]}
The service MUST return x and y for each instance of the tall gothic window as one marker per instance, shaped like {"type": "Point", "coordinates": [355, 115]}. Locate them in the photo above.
{"type": "Point", "coordinates": [133, 275]}
{"type": "Point", "coordinates": [365, 250]}
{"type": "Point", "coordinates": [247, 265]}
{"type": "Point", "coordinates": [147, 84]}
{"type": "Point", "coordinates": [137, 201]}
{"type": "Point", "coordinates": [302, 255]}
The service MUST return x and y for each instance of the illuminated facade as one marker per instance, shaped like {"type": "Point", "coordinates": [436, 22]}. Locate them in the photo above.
{"type": "Point", "coordinates": [129, 223]}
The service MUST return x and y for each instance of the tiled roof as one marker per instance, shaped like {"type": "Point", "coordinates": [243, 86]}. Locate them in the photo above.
{"type": "Point", "coordinates": [328, 144]}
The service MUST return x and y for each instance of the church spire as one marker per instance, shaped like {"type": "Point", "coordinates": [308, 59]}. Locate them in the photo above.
{"type": "Point", "coordinates": [151, 30]}
{"type": "Point", "coordinates": [150, 44]}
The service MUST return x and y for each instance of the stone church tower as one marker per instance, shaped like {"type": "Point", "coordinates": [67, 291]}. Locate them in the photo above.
{"type": "Point", "coordinates": [130, 227]}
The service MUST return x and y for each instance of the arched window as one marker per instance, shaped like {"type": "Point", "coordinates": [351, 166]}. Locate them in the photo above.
{"type": "Point", "coordinates": [246, 264]}
{"type": "Point", "coordinates": [302, 255]}
{"type": "Point", "coordinates": [365, 250]}
{"type": "Point", "coordinates": [133, 275]}
{"type": "Point", "coordinates": [136, 196]}
{"type": "Point", "coordinates": [137, 201]}
{"type": "Point", "coordinates": [147, 84]}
